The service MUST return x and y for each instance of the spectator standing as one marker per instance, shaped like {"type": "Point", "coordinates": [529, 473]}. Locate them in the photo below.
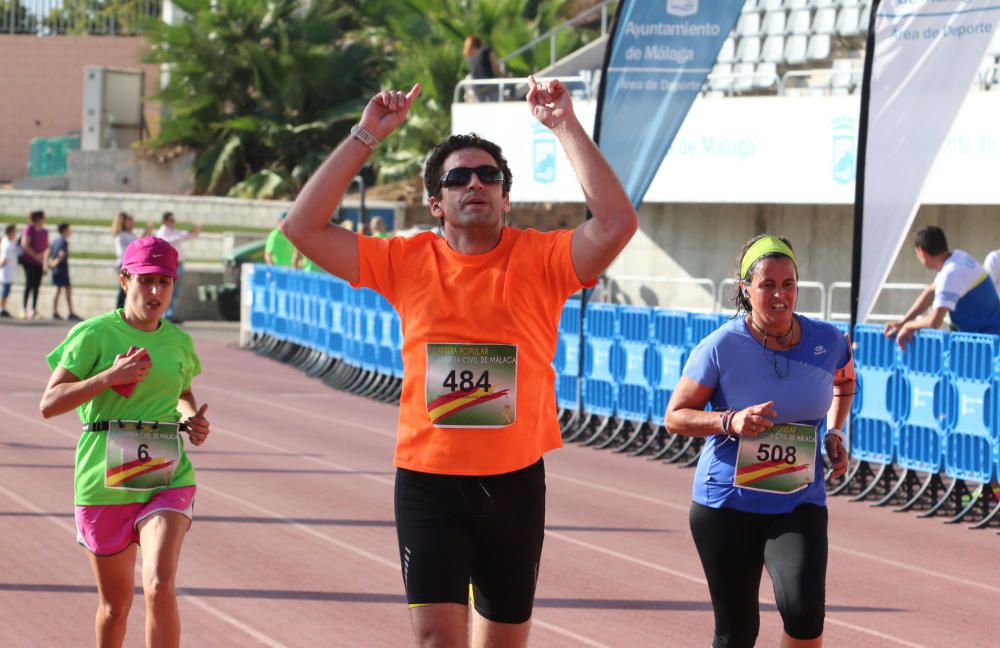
{"type": "Point", "coordinates": [962, 288]}
{"type": "Point", "coordinates": [121, 229]}
{"type": "Point", "coordinates": [59, 263]}
{"type": "Point", "coordinates": [168, 232]}
{"type": "Point", "coordinates": [278, 250]}
{"type": "Point", "coordinates": [34, 248]}
{"type": "Point", "coordinates": [483, 64]}
{"type": "Point", "coordinates": [8, 261]}
{"type": "Point", "coordinates": [377, 226]}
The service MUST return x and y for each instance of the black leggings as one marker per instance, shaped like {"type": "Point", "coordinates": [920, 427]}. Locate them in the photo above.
{"type": "Point", "coordinates": [32, 281]}
{"type": "Point", "coordinates": [734, 545]}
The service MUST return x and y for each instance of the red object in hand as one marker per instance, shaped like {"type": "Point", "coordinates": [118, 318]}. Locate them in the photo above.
{"type": "Point", "coordinates": [127, 389]}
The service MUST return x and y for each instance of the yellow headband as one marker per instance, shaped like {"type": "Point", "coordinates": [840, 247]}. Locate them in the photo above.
{"type": "Point", "coordinates": [762, 247]}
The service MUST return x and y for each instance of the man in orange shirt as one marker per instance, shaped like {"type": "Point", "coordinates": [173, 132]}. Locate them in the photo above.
{"type": "Point", "coordinates": [480, 307]}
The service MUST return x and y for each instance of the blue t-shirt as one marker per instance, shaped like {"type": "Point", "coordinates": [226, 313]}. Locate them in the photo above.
{"type": "Point", "coordinates": [964, 288]}
{"type": "Point", "coordinates": [60, 244]}
{"type": "Point", "coordinates": [742, 373]}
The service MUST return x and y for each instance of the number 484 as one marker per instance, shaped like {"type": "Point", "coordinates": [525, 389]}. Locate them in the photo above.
{"type": "Point", "coordinates": [466, 381]}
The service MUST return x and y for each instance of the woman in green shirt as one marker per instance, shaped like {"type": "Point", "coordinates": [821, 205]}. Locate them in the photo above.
{"type": "Point", "coordinates": [128, 375]}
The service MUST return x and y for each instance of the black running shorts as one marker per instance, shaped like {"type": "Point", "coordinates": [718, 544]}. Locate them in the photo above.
{"type": "Point", "coordinates": [454, 531]}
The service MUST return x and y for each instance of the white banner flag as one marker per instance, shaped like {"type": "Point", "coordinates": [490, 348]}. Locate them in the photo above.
{"type": "Point", "coordinates": [927, 54]}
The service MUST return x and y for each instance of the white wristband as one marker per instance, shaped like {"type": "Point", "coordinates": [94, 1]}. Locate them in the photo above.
{"type": "Point", "coordinates": [360, 133]}
{"type": "Point", "coordinates": [837, 433]}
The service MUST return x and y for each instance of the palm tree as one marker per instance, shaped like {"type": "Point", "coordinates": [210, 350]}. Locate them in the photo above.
{"type": "Point", "coordinates": [262, 91]}
{"type": "Point", "coordinates": [428, 37]}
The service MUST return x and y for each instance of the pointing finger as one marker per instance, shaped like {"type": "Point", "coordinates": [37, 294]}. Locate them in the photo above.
{"type": "Point", "coordinates": [412, 94]}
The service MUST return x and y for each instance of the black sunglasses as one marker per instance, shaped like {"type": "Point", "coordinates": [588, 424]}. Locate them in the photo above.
{"type": "Point", "coordinates": [460, 176]}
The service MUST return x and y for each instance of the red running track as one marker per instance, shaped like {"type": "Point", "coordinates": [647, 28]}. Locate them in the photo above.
{"type": "Point", "coordinates": [293, 541]}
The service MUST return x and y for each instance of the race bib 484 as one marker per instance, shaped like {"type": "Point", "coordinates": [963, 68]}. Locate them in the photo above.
{"type": "Point", "coordinates": [471, 385]}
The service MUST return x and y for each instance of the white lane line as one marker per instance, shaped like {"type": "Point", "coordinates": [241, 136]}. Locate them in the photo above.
{"type": "Point", "coordinates": [309, 530]}
{"type": "Point", "coordinates": [219, 614]}
{"type": "Point", "coordinates": [298, 411]}
{"type": "Point", "coordinates": [301, 527]}
{"type": "Point", "coordinates": [701, 581]}
{"type": "Point", "coordinates": [617, 491]}
{"type": "Point", "coordinates": [587, 545]}
{"type": "Point", "coordinates": [919, 570]}
{"type": "Point", "coordinates": [394, 565]}
{"type": "Point", "coordinates": [569, 634]}
{"type": "Point", "coordinates": [211, 609]}
{"type": "Point", "coordinates": [592, 547]}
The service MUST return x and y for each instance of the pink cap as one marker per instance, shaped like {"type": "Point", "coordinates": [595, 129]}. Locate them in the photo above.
{"type": "Point", "coordinates": [150, 255]}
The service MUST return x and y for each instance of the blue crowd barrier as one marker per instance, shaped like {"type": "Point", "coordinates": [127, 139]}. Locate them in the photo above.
{"type": "Point", "coordinates": [970, 451]}
{"type": "Point", "coordinates": [919, 403]}
{"type": "Point", "coordinates": [629, 364]}
{"type": "Point", "coordinates": [665, 357]}
{"type": "Point", "coordinates": [933, 408]}
{"type": "Point", "coordinates": [873, 424]}
{"type": "Point", "coordinates": [567, 357]}
{"type": "Point", "coordinates": [600, 389]}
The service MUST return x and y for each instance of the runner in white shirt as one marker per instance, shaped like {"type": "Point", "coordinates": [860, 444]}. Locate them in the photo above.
{"type": "Point", "coordinates": [8, 263]}
{"type": "Point", "coordinates": [176, 237]}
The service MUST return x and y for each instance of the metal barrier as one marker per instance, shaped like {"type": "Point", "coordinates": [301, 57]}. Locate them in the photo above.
{"type": "Point", "coordinates": [920, 417]}
{"type": "Point", "coordinates": [95, 17]}
{"type": "Point", "coordinates": [553, 33]}
{"type": "Point", "coordinates": [681, 281]}
{"type": "Point", "coordinates": [838, 286]}
{"type": "Point", "coordinates": [508, 88]}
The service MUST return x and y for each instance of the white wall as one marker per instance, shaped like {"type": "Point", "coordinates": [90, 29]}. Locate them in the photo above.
{"type": "Point", "coordinates": [795, 150]}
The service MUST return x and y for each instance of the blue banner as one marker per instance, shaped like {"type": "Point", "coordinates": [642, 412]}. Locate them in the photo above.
{"type": "Point", "coordinates": [658, 57]}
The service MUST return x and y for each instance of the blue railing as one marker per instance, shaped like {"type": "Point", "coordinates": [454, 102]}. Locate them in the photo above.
{"type": "Point", "coordinates": [932, 409]}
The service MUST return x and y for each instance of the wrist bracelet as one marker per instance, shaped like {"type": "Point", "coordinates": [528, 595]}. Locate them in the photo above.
{"type": "Point", "coordinates": [727, 421]}
{"type": "Point", "coordinates": [837, 433]}
{"type": "Point", "coordinates": [360, 133]}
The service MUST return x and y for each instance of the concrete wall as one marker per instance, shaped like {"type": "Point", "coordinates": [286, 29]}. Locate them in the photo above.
{"type": "Point", "coordinates": [150, 207]}
{"type": "Point", "coordinates": [42, 81]}
{"type": "Point", "coordinates": [702, 241]}
{"type": "Point", "coordinates": [128, 171]}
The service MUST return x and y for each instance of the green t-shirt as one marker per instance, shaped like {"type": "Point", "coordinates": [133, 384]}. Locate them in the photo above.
{"type": "Point", "coordinates": [309, 266]}
{"type": "Point", "coordinates": [280, 248]}
{"type": "Point", "coordinates": [89, 349]}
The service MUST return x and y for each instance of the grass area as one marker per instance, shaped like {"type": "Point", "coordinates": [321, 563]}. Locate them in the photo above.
{"type": "Point", "coordinates": [51, 221]}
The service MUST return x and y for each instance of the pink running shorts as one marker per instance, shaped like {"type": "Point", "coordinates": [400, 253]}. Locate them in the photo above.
{"type": "Point", "coordinates": [109, 529]}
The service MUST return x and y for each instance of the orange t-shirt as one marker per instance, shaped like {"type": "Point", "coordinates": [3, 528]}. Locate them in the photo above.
{"type": "Point", "coordinates": [511, 295]}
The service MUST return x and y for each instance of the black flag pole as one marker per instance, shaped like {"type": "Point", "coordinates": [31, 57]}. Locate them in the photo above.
{"type": "Point", "coordinates": [609, 49]}
{"type": "Point", "coordinates": [859, 180]}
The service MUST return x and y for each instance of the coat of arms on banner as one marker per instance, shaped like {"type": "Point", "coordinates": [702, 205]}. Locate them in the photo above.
{"type": "Point", "coordinates": [543, 155]}
{"type": "Point", "coordinates": [845, 149]}
{"type": "Point", "coordinates": [682, 7]}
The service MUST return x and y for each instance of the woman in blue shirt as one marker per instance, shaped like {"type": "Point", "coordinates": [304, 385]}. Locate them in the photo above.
{"type": "Point", "coordinates": [779, 384]}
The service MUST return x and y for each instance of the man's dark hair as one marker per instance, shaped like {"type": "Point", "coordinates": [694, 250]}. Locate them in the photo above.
{"type": "Point", "coordinates": [9, 229]}
{"type": "Point", "coordinates": [435, 161]}
{"type": "Point", "coordinates": [166, 216]}
{"type": "Point", "coordinates": [63, 227]}
{"type": "Point", "coordinates": [36, 215]}
{"type": "Point", "coordinates": [931, 240]}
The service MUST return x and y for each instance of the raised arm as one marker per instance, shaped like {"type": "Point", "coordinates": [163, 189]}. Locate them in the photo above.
{"type": "Point", "coordinates": [598, 241]}
{"type": "Point", "coordinates": [307, 224]}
